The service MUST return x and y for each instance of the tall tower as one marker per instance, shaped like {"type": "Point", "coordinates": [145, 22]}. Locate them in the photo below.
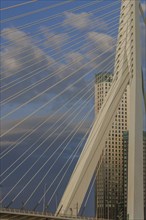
{"type": "Point", "coordinates": [109, 181]}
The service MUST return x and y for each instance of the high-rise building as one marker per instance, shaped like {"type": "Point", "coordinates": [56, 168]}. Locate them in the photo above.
{"type": "Point", "coordinates": [110, 172]}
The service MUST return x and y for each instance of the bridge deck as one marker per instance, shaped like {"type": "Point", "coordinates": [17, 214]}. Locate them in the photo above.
{"type": "Point", "coordinates": [6, 214]}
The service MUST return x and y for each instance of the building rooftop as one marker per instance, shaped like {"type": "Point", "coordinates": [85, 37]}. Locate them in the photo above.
{"type": "Point", "coordinates": [103, 77]}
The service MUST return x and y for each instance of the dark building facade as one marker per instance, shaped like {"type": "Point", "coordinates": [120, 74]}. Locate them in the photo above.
{"type": "Point", "coordinates": [125, 170]}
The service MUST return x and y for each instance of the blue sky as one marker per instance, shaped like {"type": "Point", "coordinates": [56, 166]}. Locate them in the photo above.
{"type": "Point", "coordinates": [35, 56]}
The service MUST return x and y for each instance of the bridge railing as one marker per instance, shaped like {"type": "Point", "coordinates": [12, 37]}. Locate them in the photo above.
{"type": "Point", "coordinates": [24, 211]}
{"type": "Point", "coordinates": [36, 213]}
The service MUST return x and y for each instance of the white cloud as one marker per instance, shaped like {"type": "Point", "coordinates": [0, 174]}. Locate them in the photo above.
{"type": "Point", "coordinates": [16, 36]}
{"type": "Point", "coordinates": [84, 21]}
{"type": "Point", "coordinates": [56, 40]}
{"type": "Point", "coordinates": [53, 39]}
{"type": "Point", "coordinates": [74, 57]}
{"type": "Point", "coordinates": [21, 53]}
{"type": "Point", "coordinates": [78, 21]}
{"type": "Point", "coordinates": [102, 41]}
{"type": "Point", "coordinates": [10, 64]}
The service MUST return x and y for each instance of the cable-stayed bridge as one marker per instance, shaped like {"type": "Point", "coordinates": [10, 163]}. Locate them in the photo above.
{"type": "Point", "coordinates": [50, 55]}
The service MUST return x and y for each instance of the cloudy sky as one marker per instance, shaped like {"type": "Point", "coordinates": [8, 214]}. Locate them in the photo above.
{"type": "Point", "coordinates": [50, 53]}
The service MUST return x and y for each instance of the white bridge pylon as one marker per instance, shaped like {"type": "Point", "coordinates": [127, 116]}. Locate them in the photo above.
{"type": "Point", "coordinates": [127, 71]}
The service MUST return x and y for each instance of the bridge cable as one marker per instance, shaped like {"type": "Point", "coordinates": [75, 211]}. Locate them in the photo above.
{"type": "Point", "coordinates": [38, 96]}
{"type": "Point", "coordinates": [51, 27]}
{"type": "Point", "coordinates": [57, 111]}
{"type": "Point", "coordinates": [73, 132]}
{"type": "Point", "coordinates": [46, 90]}
{"type": "Point", "coordinates": [42, 40]}
{"type": "Point", "coordinates": [10, 98]}
{"type": "Point", "coordinates": [17, 5]}
{"type": "Point", "coordinates": [64, 147]}
{"type": "Point", "coordinates": [71, 159]}
{"type": "Point", "coordinates": [59, 14]}
{"type": "Point", "coordinates": [46, 138]}
{"type": "Point", "coordinates": [11, 148]}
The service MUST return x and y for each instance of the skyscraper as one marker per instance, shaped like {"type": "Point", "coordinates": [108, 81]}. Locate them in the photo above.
{"type": "Point", "coordinates": [110, 172]}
